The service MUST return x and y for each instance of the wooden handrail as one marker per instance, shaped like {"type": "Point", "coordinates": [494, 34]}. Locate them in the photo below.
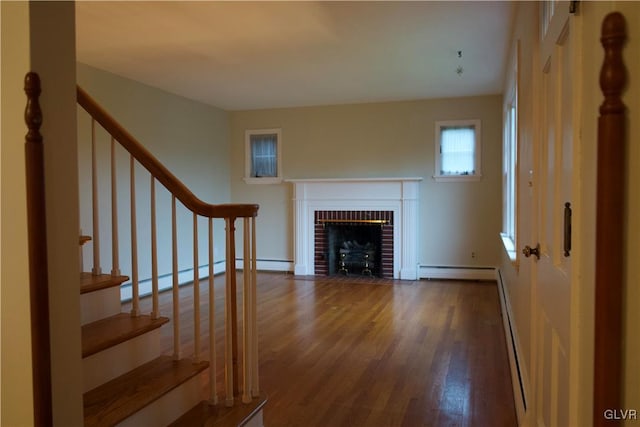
{"type": "Point", "coordinates": [158, 170]}
{"type": "Point", "coordinates": [610, 203]}
{"type": "Point", "coordinates": [38, 267]}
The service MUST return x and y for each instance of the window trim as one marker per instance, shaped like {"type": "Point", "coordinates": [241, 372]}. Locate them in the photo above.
{"type": "Point", "coordinates": [477, 152]}
{"type": "Point", "coordinates": [247, 156]}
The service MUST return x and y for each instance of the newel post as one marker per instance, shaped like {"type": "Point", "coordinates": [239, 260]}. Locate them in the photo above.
{"type": "Point", "coordinates": [610, 207]}
{"type": "Point", "coordinates": [37, 243]}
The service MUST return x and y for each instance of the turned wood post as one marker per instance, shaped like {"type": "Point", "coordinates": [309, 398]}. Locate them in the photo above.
{"type": "Point", "coordinates": [233, 301]}
{"type": "Point", "coordinates": [610, 207]}
{"type": "Point", "coordinates": [229, 372]}
{"type": "Point", "coordinates": [38, 268]}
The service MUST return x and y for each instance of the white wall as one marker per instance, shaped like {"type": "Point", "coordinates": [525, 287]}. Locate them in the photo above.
{"type": "Point", "coordinates": [53, 57]}
{"type": "Point", "coordinates": [188, 137]}
{"type": "Point", "coordinates": [204, 146]}
{"type": "Point", "coordinates": [40, 37]}
{"type": "Point", "coordinates": [17, 400]}
{"type": "Point", "coordinates": [393, 139]}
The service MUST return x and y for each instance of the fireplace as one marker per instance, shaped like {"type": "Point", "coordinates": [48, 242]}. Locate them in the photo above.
{"type": "Point", "coordinates": [356, 243]}
{"type": "Point", "coordinates": [394, 201]}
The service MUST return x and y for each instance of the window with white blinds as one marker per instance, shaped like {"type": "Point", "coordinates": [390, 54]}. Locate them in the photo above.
{"type": "Point", "coordinates": [458, 150]}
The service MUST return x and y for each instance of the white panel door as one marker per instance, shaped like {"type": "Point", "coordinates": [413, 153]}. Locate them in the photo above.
{"type": "Point", "coordinates": [555, 169]}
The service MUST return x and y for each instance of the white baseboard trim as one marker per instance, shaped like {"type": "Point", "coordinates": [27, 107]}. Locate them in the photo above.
{"type": "Point", "coordinates": [457, 272]}
{"type": "Point", "coordinates": [408, 274]}
{"type": "Point", "coordinates": [165, 282]}
{"type": "Point", "coordinates": [300, 270]}
{"type": "Point", "coordinates": [268, 265]}
{"type": "Point", "coordinates": [519, 378]}
{"type": "Point", "coordinates": [186, 276]}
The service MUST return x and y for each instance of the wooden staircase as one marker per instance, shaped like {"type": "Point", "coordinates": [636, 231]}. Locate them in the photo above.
{"type": "Point", "coordinates": [152, 394]}
{"type": "Point", "coordinates": [128, 381]}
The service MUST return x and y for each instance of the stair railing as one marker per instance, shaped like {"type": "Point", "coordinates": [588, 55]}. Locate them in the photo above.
{"type": "Point", "coordinates": [138, 154]}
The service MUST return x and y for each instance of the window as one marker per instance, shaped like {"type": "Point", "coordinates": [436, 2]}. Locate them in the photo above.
{"type": "Point", "coordinates": [509, 172]}
{"type": "Point", "coordinates": [458, 151]}
{"type": "Point", "coordinates": [510, 160]}
{"type": "Point", "coordinates": [263, 163]}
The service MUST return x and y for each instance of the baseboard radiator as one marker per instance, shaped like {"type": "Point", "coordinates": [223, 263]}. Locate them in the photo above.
{"type": "Point", "coordinates": [511, 336]}
{"type": "Point", "coordinates": [457, 272]}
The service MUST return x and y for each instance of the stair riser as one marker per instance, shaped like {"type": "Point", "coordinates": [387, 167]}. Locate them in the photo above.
{"type": "Point", "coordinates": [110, 363]}
{"type": "Point", "coordinates": [100, 304]}
{"type": "Point", "coordinates": [170, 406]}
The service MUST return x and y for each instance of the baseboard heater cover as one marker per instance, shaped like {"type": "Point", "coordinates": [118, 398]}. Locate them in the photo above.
{"type": "Point", "coordinates": [512, 343]}
{"type": "Point", "coordinates": [457, 272]}
{"type": "Point", "coordinates": [185, 277]}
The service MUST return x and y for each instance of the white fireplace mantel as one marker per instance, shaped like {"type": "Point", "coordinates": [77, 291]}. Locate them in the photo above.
{"type": "Point", "coordinates": [399, 195]}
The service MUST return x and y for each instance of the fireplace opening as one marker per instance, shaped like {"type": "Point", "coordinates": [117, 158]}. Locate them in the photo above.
{"type": "Point", "coordinates": [353, 248]}
{"type": "Point", "coordinates": [366, 240]}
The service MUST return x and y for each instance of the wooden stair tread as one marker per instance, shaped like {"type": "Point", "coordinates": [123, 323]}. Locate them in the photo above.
{"type": "Point", "coordinates": [90, 282]}
{"type": "Point", "coordinates": [110, 331]}
{"type": "Point", "coordinates": [121, 397]}
{"type": "Point", "coordinates": [205, 414]}
{"type": "Point", "coordinates": [84, 239]}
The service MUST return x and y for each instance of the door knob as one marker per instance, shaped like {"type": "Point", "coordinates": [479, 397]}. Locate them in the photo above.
{"type": "Point", "coordinates": [528, 251]}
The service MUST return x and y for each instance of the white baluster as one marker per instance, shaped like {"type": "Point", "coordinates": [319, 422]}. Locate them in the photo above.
{"type": "Point", "coordinates": [154, 253]}
{"type": "Point", "coordinates": [228, 315]}
{"type": "Point", "coordinates": [135, 293]}
{"type": "Point", "coordinates": [247, 323]}
{"type": "Point", "coordinates": [115, 246]}
{"type": "Point", "coordinates": [94, 183]}
{"type": "Point", "coordinates": [213, 393]}
{"type": "Point", "coordinates": [255, 387]}
{"type": "Point", "coordinates": [196, 292]}
{"type": "Point", "coordinates": [175, 289]}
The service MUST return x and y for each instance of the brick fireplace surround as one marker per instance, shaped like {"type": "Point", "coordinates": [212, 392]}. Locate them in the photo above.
{"type": "Point", "coordinates": [395, 199]}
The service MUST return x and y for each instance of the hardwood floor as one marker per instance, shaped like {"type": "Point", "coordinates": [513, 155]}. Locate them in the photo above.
{"type": "Point", "coordinates": [372, 352]}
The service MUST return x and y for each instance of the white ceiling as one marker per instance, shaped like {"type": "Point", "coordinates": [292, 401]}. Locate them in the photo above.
{"type": "Point", "coordinates": [244, 55]}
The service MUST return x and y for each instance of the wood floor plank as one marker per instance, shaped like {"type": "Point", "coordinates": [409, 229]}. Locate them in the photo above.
{"type": "Point", "coordinates": [372, 352]}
